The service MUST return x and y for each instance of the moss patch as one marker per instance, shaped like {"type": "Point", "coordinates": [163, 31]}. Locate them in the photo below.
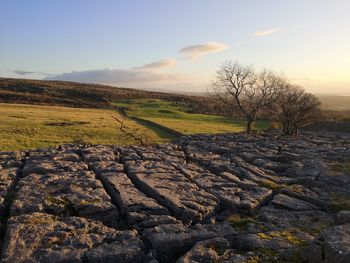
{"type": "Point", "coordinates": [288, 235]}
{"type": "Point", "coordinates": [272, 185]}
{"type": "Point", "coordinates": [339, 202]}
{"type": "Point", "coordinates": [240, 221]}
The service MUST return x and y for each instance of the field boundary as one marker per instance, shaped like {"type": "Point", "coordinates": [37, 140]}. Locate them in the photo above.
{"type": "Point", "coordinates": [168, 130]}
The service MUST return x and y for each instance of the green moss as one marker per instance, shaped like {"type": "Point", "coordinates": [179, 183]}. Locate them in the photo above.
{"type": "Point", "coordinates": [272, 185]}
{"type": "Point", "coordinates": [267, 251]}
{"type": "Point", "coordinates": [287, 235]}
{"type": "Point", "coordinates": [339, 202]}
{"type": "Point", "coordinates": [41, 220]}
{"type": "Point", "coordinates": [57, 201]}
{"type": "Point", "coordinates": [264, 236]}
{"type": "Point", "coordinates": [240, 221]}
{"type": "Point", "coordinates": [66, 208]}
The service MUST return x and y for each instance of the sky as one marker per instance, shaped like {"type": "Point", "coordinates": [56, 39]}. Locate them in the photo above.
{"type": "Point", "coordinates": [175, 45]}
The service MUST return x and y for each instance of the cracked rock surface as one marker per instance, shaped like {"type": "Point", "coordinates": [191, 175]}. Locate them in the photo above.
{"type": "Point", "coordinates": [202, 198]}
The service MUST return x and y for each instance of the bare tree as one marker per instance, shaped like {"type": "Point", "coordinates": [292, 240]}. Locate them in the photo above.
{"type": "Point", "coordinates": [244, 91]}
{"type": "Point", "coordinates": [136, 134]}
{"type": "Point", "coordinates": [294, 107]}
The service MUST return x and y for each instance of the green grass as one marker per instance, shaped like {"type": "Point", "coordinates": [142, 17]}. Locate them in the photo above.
{"type": "Point", "coordinates": [29, 126]}
{"type": "Point", "coordinates": [174, 116]}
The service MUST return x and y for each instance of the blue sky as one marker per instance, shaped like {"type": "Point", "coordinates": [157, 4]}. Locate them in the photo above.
{"type": "Point", "coordinates": [138, 43]}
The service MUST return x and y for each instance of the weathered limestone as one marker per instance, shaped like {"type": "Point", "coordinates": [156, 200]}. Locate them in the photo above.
{"type": "Point", "coordinates": [10, 169]}
{"type": "Point", "coordinates": [140, 211]}
{"type": "Point", "coordinates": [172, 240]}
{"type": "Point", "coordinates": [291, 203]}
{"type": "Point", "coordinates": [40, 237]}
{"type": "Point", "coordinates": [204, 198]}
{"type": "Point", "coordinates": [44, 162]}
{"type": "Point", "coordinates": [331, 246]}
{"type": "Point", "coordinates": [173, 190]}
{"type": "Point", "coordinates": [7, 180]}
{"type": "Point", "coordinates": [310, 220]}
{"type": "Point", "coordinates": [62, 185]}
{"type": "Point", "coordinates": [231, 196]}
{"type": "Point", "coordinates": [11, 159]}
{"type": "Point", "coordinates": [213, 250]}
{"type": "Point", "coordinates": [77, 194]}
{"type": "Point", "coordinates": [343, 217]}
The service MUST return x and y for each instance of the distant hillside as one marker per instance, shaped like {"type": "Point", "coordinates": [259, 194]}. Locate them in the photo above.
{"type": "Point", "coordinates": [73, 94]}
{"type": "Point", "coordinates": [334, 102]}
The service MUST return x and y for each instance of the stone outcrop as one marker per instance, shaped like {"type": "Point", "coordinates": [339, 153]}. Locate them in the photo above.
{"type": "Point", "coordinates": [39, 237]}
{"type": "Point", "coordinates": [203, 198]}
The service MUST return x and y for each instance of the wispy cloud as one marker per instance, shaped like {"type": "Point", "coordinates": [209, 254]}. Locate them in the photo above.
{"type": "Point", "coordinates": [24, 73]}
{"type": "Point", "coordinates": [111, 76]}
{"type": "Point", "coordinates": [161, 64]}
{"type": "Point", "coordinates": [195, 51]}
{"type": "Point", "coordinates": [267, 32]}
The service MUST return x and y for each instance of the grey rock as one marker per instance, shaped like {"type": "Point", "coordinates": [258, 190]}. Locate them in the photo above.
{"type": "Point", "coordinates": [7, 181]}
{"type": "Point", "coordinates": [172, 240]}
{"type": "Point", "coordinates": [41, 237]}
{"type": "Point", "coordinates": [173, 190]}
{"type": "Point", "coordinates": [139, 210]}
{"type": "Point", "coordinates": [331, 246]}
{"type": "Point", "coordinates": [343, 217]}
{"type": "Point", "coordinates": [70, 194]}
{"type": "Point", "coordinates": [292, 203]}
{"type": "Point", "coordinates": [212, 250]}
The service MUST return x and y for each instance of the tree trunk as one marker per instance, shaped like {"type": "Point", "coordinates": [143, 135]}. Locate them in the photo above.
{"type": "Point", "coordinates": [249, 126]}
{"type": "Point", "coordinates": [288, 128]}
{"type": "Point", "coordinates": [296, 130]}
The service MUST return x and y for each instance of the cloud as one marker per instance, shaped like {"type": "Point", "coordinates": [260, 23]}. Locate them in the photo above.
{"type": "Point", "coordinates": [24, 73]}
{"type": "Point", "coordinates": [195, 51]}
{"type": "Point", "coordinates": [146, 73]}
{"type": "Point", "coordinates": [165, 63]}
{"type": "Point", "coordinates": [267, 32]}
{"type": "Point", "coordinates": [116, 76]}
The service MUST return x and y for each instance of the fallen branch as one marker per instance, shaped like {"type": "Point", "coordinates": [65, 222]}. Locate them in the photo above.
{"type": "Point", "coordinates": [135, 134]}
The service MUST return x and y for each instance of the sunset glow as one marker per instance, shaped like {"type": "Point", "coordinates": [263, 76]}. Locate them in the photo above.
{"type": "Point", "coordinates": [175, 45]}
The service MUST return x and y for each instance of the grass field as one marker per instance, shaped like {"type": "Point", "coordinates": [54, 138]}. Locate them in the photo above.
{"type": "Point", "coordinates": [29, 126]}
{"type": "Point", "coordinates": [173, 115]}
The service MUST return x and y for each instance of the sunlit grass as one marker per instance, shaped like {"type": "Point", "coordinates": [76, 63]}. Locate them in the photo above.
{"type": "Point", "coordinates": [30, 126]}
{"type": "Point", "coordinates": [173, 115]}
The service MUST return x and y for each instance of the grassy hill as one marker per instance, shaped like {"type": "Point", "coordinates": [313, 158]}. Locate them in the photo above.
{"type": "Point", "coordinates": [87, 115]}
{"type": "Point", "coordinates": [73, 94]}
{"type": "Point", "coordinates": [176, 116]}
{"type": "Point", "coordinates": [33, 126]}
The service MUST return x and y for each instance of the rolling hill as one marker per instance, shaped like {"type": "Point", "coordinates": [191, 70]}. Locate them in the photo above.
{"type": "Point", "coordinates": [73, 94]}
